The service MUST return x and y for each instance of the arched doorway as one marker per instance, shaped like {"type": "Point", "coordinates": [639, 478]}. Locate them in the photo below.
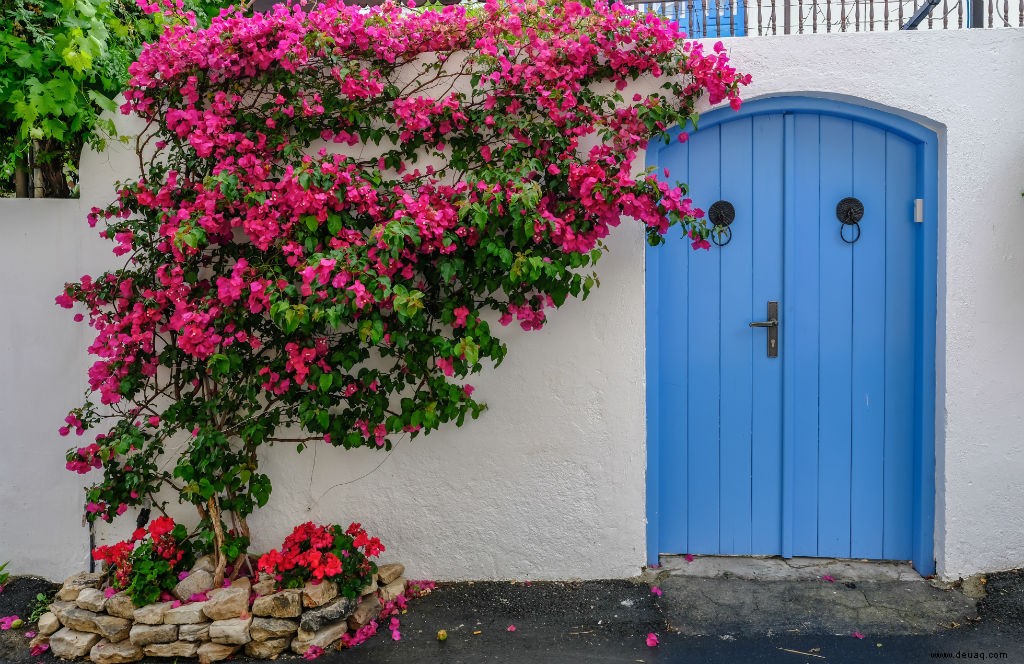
{"type": "Point", "coordinates": [810, 433]}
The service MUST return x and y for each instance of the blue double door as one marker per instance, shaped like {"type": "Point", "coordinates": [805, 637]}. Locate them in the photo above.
{"type": "Point", "coordinates": [810, 452]}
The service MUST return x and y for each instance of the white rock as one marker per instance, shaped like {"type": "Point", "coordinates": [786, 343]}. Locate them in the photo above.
{"type": "Point", "coordinates": [151, 614]}
{"type": "Point", "coordinates": [197, 582]}
{"type": "Point", "coordinates": [67, 643]}
{"type": "Point", "coordinates": [91, 599]}
{"type": "Point", "coordinates": [231, 632]}
{"type": "Point", "coordinates": [215, 652]}
{"type": "Point", "coordinates": [48, 624]}
{"type": "Point", "coordinates": [106, 652]}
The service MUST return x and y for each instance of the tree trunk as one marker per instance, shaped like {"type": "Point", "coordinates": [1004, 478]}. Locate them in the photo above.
{"type": "Point", "coordinates": [218, 544]}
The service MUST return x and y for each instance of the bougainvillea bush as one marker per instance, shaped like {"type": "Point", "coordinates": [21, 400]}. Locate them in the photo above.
{"type": "Point", "coordinates": [313, 554]}
{"type": "Point", "coordinates": [330, 201]}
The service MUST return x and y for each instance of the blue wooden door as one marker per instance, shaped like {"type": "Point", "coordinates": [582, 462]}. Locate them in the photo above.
{"type": "Point", "coordinates": [810, 453]}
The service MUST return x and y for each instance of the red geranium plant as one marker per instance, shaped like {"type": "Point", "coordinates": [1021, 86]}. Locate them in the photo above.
{"type": "Point", "coordinates": [149, 563]}
{"type": "Point", "coordinates": [324, 553]}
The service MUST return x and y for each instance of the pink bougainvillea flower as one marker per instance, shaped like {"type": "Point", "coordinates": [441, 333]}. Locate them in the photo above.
{"type": "Point", "coordinates": [511, 628]}
{"type": "Point", "coordinates": [688, 557]}
{"type": "Point", "coordinates": [857, 635]}
{"type": "Point", "coordinates": [828, 578]}
{"type": "Point", "coordinates": [655, 590]}
{"type": "Point", "coordinates": [109, 592]}
{"type": "Point", "coordinates": [652, 640]}
{"type": "Point", "coordinates": [313, 652]}
{"type": "Point", "coordinates": [30, 635]}
{"type": "Point", "coordinates": [198, 597]}
{"type": "Point", "coordinates": [38, 649]}
{"type": "Point", "coordinates": [7, 621]}
{"type": "Point", "coordinates": [175, 604]}
{"type": "Point", "coordinates": [183, 575]}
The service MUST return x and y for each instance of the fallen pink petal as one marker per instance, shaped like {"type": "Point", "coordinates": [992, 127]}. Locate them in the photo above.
{"type": "Point", "coordinates": [689, 557]}
{"type": "Point", "coordinates": [652, 640]}
{"type": "Point", "coordinates": [828, 578]}
{"type": "Point", "coordinates": [655, 590]}
{"type": "Point", "coordinates": [313, 652]}
{"type": "Point", "coordinates": [39, 648]}
{"type": "Point", "coordinates": [511, 628]}
{"type": "Point", "coordinates": [857, 635]}
{"type": "Point", "coordinates": [30, 635]}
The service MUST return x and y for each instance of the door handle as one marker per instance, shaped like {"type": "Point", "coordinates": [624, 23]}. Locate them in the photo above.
{"type": "Point", "coordinates": [773, 328]}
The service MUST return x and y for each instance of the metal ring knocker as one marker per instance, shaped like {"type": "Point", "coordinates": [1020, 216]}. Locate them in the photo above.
{"type": "Point", "coordinates": [849, 211]}
{"type": "Point", "coordinates": [721, 214]}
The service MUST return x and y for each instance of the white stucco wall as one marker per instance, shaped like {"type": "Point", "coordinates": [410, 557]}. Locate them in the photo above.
{"type": "Point", "coordinates": [549, 483]}
{"type": "Point", "coordinates": [43, 244]}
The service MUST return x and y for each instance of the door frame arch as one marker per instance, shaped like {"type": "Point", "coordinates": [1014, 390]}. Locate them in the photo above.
{"type": "Point", "coordinates": [926, 264]}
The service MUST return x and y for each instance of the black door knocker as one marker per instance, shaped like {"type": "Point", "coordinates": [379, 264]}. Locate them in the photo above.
{"type": "Point", "coordinates": [721, 214]}
{"type": "Point", "coordinates": [850, 211]}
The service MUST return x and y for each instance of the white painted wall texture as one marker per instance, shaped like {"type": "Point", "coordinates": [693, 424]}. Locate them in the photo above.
{"type": "Point", "coordinates": [549, 483]}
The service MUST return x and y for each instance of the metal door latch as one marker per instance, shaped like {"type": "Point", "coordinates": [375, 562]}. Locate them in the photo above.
{"type": "Point", "coordinates": [773, 328]}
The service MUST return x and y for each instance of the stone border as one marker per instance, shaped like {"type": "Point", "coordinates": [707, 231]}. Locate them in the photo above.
{"type": "Point", "coordinates": [84, 622]}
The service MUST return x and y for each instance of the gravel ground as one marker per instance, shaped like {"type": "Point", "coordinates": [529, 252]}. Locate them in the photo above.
{"type": "Point", "coordinates": [1004, 599]}
{"type": "Point", "coordinates": [607, 621]}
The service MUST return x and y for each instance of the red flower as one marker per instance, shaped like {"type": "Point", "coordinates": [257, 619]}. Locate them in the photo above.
{"type": "Point", "coordinates": [161, 526]}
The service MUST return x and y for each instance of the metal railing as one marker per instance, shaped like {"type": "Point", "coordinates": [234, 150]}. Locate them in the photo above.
{"type": "Point", "coordinates": [738, 18]}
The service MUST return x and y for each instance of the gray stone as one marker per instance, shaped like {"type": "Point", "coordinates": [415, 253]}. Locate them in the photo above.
{"type": "Point", "coordinates": [197, 582]}
{"type": "Point", "coordinates": [231, 632]}
{"type": "Point", "coordinates": [186, 614]}
{"type": "Point", "coordinates": [121, 606]}
{"type": "Point", "coordinates": [109, 627]}
{"type": "Point", "coordinates": [200, 632]}
{"type": "Point", "coordinates": [318, 594]}
{"type": "Point", "coordinates": [265, 587]}
{"type": "Point", "coordinates": [144, 635]}
{"type": "Point", "coordinates": [73, 585]}
{"type": "Point", "coordinates": [389, 572]}
{"type": "Point", "coordinates": [335, 610]}
{"type": "Point", "coordinates": [122, 652]}
{"type": "Point", "coordinates": [151, 614]}
{"type": "Point", "coordinates": [67, 643]}
{"type": "Point", "coordinates": [392, 590]}
{"type": "Point", "coordinates": [370, 587]}
{"type": "Point", "coordinates": [91, 599]}
{"type": "Point", "coordinates": [59, 608]}
{"type": "Point", "coordinates": [285, 604]}
{"type": "Point", "coordinates": [227, 603]}
{"type": "Point", "coordinates": [242, 582]}
{"type": "Point", "coordinates": [215, 652]}
{"type": "Point", "coordinates": [269, 649]}
{"type": "Point", "coordinates": [39, 639]}
{"type": "Point", "coordinates": [176, 649]}
{"type": "Point", "coordinates": [265, 629]}
{"type": "Point", "coordinates": [206, 563]}
{"type": "Point", "coordinates": [368, 609]}
{"type": "Point", "coordinates": [48, 624]}
{"type": "Point", "coordinates": [322, 638]}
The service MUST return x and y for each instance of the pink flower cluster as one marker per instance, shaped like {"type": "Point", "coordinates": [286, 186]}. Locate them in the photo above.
{"type": "Point", "coordinates": [269, 274]}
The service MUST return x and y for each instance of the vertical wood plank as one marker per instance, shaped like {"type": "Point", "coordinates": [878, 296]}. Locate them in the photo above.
{"type": "Point", "coordinates": [766, 399]}
{"type": "Point", "coordinates": [703, 353]}
{"type": "Point", "coordinates": [801, 391]}
{"type": "Point", "coordinates": [737, 340]}
{"type": "Point", "coordinates": [673, 341]}
{"type": "Point", "coordinates": [900, 175]}
{"type": "Point", "coordinates": [868, 388]}
{"type": "Point", "coordinates": [835, 326]}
